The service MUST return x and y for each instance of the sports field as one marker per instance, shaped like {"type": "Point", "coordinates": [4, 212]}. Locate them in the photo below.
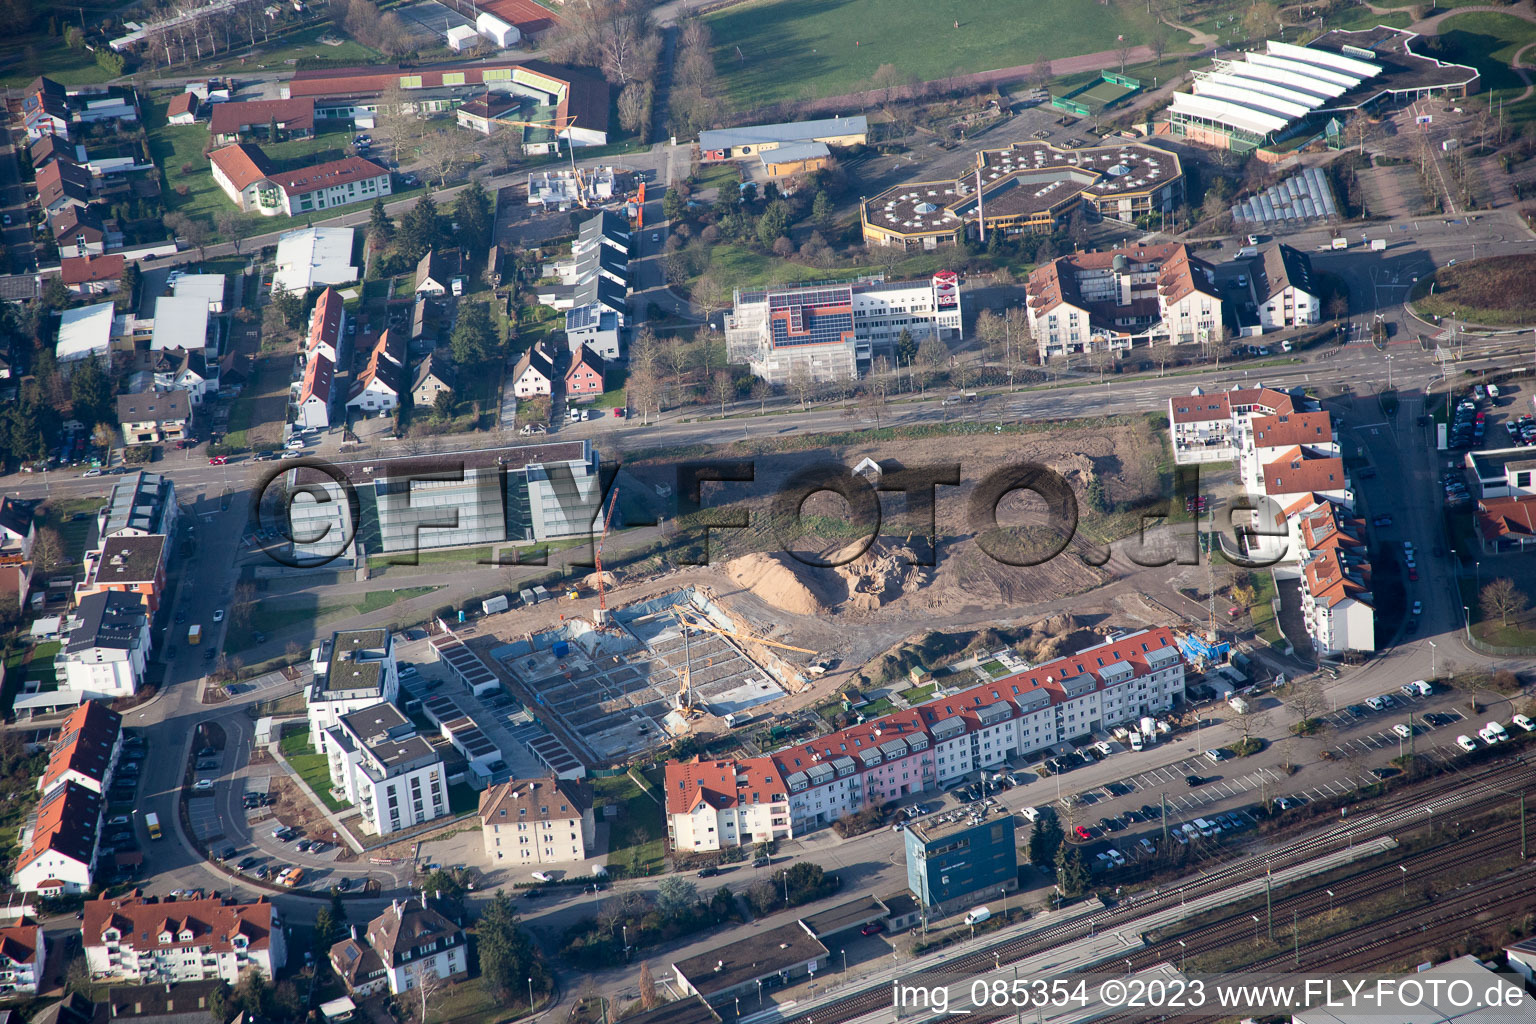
{"type": "Point", "coordinates": [801, 49]}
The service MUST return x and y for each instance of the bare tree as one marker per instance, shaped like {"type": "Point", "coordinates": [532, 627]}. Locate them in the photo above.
{"type": "Point", "coordinates": [1502, 598]}
{"type": "Point", "coordinates": [428, 984]}
{"type": "Point", "coordinates": [48, 549]}
{"type": "Point", "coordinates": [722, 388]}
{"type": "Point", "coordinates": [643, 391]}
{"type": "Point", "coordinates": [445, 149]}
{"type": "Point", "coordinates": [1308, 701]}
{"type": "Point", "coordinates": [801, 382]}
{"type": "Point", "coordinates": [710, 296]}
{"type": "Point", "coordinates": [648, 998]}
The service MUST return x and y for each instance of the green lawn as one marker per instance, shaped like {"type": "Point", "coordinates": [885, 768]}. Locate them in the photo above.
{"type": "Point", "coordinates": [738, 266]}
{"type": "Point", "coordinates": [1488, 41]}
{"type": "Point", "coordinates": [639, 833]}
{"type": "Point", "coordinates": [76, 533]}
{"type": "Point", "coordinates": [306, 43]}
{"type": "Point", "coordinates": [1359, 18]}
{"type": "Point", "coordinates": [271, 618]}
{"type": "Point", "coordinates": [815, 48]}
{"type": "Point", "coordinates": [430, 557]}
{"type": "Point", "coordinates": [1263, 611]}
{"type": "Point", "coordinates": [311, 766]}
{"type": "Point", "coordinates": [918, 694]}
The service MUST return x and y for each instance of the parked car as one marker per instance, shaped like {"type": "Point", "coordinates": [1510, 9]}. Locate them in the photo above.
{"type": "Point", "coordinates": [1082, 833]}
{"type": "Point", "coordinates": [203, 785]}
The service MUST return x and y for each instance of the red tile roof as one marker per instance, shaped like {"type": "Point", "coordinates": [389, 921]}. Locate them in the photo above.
{"type": "Point", "coordinates": [19, 942]}
{"type": "Point", "coordinates": [327, 175]}
{"type": "Point", "coordinates": [1294, 472]}
{"type": "Point", "coordinates": [317, 379]}
{"type": "Point", "coordinates": [85, 744]}
{"type": "Point", "coordinates": [213, 922]}
{"type": "Point", "coordinates": [292, 115]}
{"type": "Point", "coordinates": [325, 323]}
{"type": "Point", "coordinates": [1329, 582]}
{"type": "Point", "coordinates": [1201, 409]}
{"type": "Point", "coordinates": [78, 270]}
{"type": "Point", "coordinates": [242, 164]}
{"type": "Point", "coordinates": [1289, 429]}
{"type": "Point", "coordinates": [1513, 516]}
{"type": "Point", "coordinates": [67, 819]}
{"type": "Point", "coordinates": [185, 103]}
{"type": "Point", "coordinates": [688, 782]}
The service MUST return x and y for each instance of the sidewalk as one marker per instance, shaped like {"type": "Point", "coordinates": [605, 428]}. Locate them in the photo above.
{"type": "Point", "coordinates": [336, 820]}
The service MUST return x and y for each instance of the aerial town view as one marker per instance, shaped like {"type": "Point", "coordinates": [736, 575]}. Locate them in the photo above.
{"type": "Point", "coordinates": [768, 512]}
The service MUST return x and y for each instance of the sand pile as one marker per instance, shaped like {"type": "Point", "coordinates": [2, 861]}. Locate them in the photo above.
{"type": "Point", "coordinates": [774, 583]}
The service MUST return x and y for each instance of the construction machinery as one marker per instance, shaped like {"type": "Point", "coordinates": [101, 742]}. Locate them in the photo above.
{"type": "Point", "coordinates": [556, 125]}
{"type": "Point", "coordinates": [602, 591]}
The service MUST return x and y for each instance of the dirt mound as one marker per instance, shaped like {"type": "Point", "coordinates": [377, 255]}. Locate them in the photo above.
{"type": "Point", "coordinates": [880, 575]}
{"type": "Point", "coordinates": [775, 583]}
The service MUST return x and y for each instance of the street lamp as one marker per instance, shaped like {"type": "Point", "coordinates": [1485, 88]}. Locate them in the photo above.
{"type": "Point", "coordinates": [1330, 902]}
{"type": "Point", "coordinates": [1182, 948]}
{"type": "Point", "coordinates": [530, 997]}
{"type": "Point", "coordinates": [1432, 647]}
{"type": "Point", "coordinates": [626, 943]}
{"type": "Point", "coordinates": [1255, 927]}
{"type": "Point", "coordinates": [1404, 870]}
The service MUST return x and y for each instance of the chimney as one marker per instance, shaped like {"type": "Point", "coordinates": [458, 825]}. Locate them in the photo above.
{"type": "Point", "coordinates": [354, 933]}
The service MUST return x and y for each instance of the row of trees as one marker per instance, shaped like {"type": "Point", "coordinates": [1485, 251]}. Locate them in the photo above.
{"type": "Point", "coordinates": [695, 101]}
{"type": "Point", "coordinates": [202, 32]}
{"type": "Point", "coordinates": [618, 37]}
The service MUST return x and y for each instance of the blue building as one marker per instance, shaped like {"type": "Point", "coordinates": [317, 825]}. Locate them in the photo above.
{"type": "Point", "coordinates": [964, 863]}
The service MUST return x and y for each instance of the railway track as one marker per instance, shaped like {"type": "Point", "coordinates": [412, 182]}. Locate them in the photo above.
{"type": "Point", "coordinates": [1461, 792]}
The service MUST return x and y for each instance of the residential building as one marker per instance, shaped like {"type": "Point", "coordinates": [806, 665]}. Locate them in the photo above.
{"type": "Point", "coordinates": [1288, 293]}
{"type": "Point", "coordinates": [1107, 301]}
{"type": "Point", "coordinates": [1506, 524]}
{"type": "Point", "coordinates": [597, 274]}
{"type": "Point", "coordinates": [377, 389]}
{"type": "Point", "coordinates": [251, 182]}
{"type": "Point", "coordinates": [142, 503]}
{"type": "Point", "coordinates": [392, 775]}
{"type": "Point", "coordinates": [312, 401]}
{"type": "Point", "coordinates": [585, 378]}
{"type": "Point", "coordinates": [436, 270]}
{"type": "Point", "coordinates": [45, 110]}
{"type": "Point", "coordinates": [593, 327]}
{"type": "Point", "coordinates": [1337, 604]}
{"type": "Point", "coordinates": [718, 804]}
{"type": "Point", "coordinates": [354, 669]}
{"type": "Point", "coordinates": [142, 938]}
{"type": "Point", "coordinates": [1025, 188]}
{"type": "Point", "coordinates": [79, 231]}
{"type": "Point", "coordinates": [1214, 427]}
{"type": "Point", "coordinates": [183, 109]}
{"type": "Point", "coordinates": [575, 104]}
{"type": "Point", "coordinates": [183, 369]}
{"type": "Point", "coordinates": [208, 287]}
{"type": "Point", "coordinates": [23, 958]}
{"type": "Point", "coordinates": [181, 321]}
{"type": "Point", "coordinates": [524, 493]}
{"type": "Point", "coordinates": [86, 751]}
{"type": "Point", "coordinates": [63, 183]}
{"type": "Point", "coordinates": [108, 646]}
{"type": "Point", "coordinates": [50, 147]}
{"type": "Point", "coordinates": [359, 967]}
{"type": "Point", "coordinates": [313, 258]}
{"type": "Point", "coordinates": [534, 374]}
{"type": "Point", "coordinates": [433, 376]}
{"type": "Point", "coordinates": [295, 119]}
{"type": "Point", "coordinates": [752, 140]}
{"type": "Point", "coordinates": [410, 940]}
{"type": "Point", "coordinates": [327, 328]}
{"type": "Point", "coordinates": [834, 331]}
{"type": "Point", "coordinates": [85, 332]}
{"type": "Point", "coordinates": [952, 865]}
{"type": "Point", "coordinates": [18, 527]}
{"type": "Point", "coordinates": [86, 276]}
{"type": "Point", "coordinates": [128, 565]}
{"type": "Point", "coordinates": [1268, 439]}
{"type": "Point", "coordinates": [773, 957]}
{"type": "Point", "coordinates": [153, 417]}
{"type": "Point", "coordinates": [536, 821]}
{"type": "Point", "coordinates": [1296, 474]}
{"type": "Point", "coordinates": [58, 844]}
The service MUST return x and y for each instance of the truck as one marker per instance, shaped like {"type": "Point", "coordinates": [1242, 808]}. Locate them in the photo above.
{"type": "Point", "coordinates": [1341, 242]}
{"type": "Point", "coordinates": [195, 634]}
{"type": "Point", "coordinates": [1378, 245]}
{"type": "Point", "coordinates": [152, 823]}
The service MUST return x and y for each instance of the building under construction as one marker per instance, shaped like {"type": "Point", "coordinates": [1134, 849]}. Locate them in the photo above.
{"type": "Point", "coordinates": [656, 670]}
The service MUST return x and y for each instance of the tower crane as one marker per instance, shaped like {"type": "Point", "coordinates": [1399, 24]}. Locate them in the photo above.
{"type": "Point", "coordinates": [556, 124]}
{"type": "Point", "coordinates": [602, 594]}
{"type": "Point", "coordinates": [688, 619]}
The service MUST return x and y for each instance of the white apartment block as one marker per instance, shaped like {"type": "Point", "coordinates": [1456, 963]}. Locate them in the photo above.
{"type": "Point", "coordinates": [834, 331]}
{"type": "Point", "coordinates": [23, 958]}
{"type": "Point", "coordinates": [145, 940]}
{"type": "Point", "coordinates": [536, 821]}
{"type": "Point", "coordinates": [393, 776]}
{"type": "Point", "coordinates": [1108, 301]}
{"type": "Point", "coordinates": [353, 670]}
{"type": "Point", "coordinates": [107, 650]}
{"type": "Point", "coordinates": [798, 789]}
{"type": "Point", "coordinates": [1288, 294]}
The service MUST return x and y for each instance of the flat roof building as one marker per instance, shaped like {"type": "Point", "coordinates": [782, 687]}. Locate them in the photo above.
{"type": "Point", "coordinates": [951, 865]}
{"type": "Point", "coordinates": [773, 958]}
{"type": "Point", "coordinates": [312, 258]}
{"type": "Point", "coordinates": [392, 775]}
{"type": "Point", "coordinates": [751, 140]}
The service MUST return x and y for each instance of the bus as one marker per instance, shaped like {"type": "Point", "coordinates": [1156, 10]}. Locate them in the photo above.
{"type": "Point", "coordinates": [152, 822]}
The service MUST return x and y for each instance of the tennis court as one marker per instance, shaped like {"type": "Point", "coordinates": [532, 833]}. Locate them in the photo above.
{"type": "Point", "coordinates": [529, 17]}
{"type": "Point", "coordinates": [1102, 95]}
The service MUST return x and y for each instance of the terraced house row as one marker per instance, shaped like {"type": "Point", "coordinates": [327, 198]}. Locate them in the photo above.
{"type": "Point", "coordinates": [807, 786]}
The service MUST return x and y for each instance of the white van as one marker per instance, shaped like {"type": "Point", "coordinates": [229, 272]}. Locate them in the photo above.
{"type": "Point", "coordinates": [1030, 813]}
{"type": "Point", "coordinates": [980, 914]}
{"type": "Point", "coordinates": [1246, 252]}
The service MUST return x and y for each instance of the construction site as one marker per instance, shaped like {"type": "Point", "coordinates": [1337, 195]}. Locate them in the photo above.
{"type": "Point", "coordinates": [640, 676]}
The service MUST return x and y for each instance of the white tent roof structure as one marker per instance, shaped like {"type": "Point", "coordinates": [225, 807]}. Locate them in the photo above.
{"type": "Point", "coordinates": [1232, 114]}
{"type": "Point", "coordinates": [312, 258]}
{"type": "Point", "coordinates": [84, 331]}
